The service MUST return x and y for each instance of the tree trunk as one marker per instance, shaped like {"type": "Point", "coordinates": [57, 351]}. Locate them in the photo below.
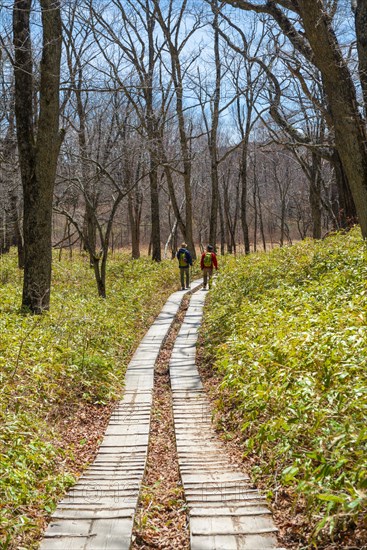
{"type": "Point", "coordinates": [134, 211]}
{"type": "Point", "coordinates": [254, 198]}
{"type": "Point", "coordinates": [361, 32]}
{"type": "Point", "coordinates": [12, 231]}
{"type": "Point", "coordinates": [346, 214]}
{"type": "Point", "coordinates": [153, 138]}
{"type": "Point", "coordinates": [100, 277]}
{"type": "Point", "coordinates": [261, 221]}
{"type": "Point", "coordinates": [222, 229]}
{"type": "Point", "coordinates": [243, 176]}
{"type": "Point", "coordinates": [213, 138]}
{"type": "Point", "coordinates": [90, 228]}
{"type": "Point", "coordinates": [315, 197]}
{"type": "Point", "coordinates": [17, 237]}
{"type": "Point", "coordinates": [177, 73]}
{"type": "Point", "coordinates": [350, 129]}
{"type": "Point", "coordinates": [37, 153]}
{"type": "Point", "coordinates": [154, 208]}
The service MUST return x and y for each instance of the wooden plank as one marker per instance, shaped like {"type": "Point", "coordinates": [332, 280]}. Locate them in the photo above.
{"type": "Point", "coordinates": [64, 543]}
{"type": "Point", "coordinates": [226, 512]}
{"type": "Point", "coordinates": [250, 509]}
{"type": "Point", "coordinates": [228, 525]}
{"type": "Point", "coordinates": [238, 542]}
{"type": "Point", "coordinates": [64, 528]}
{"type": "Point", "coordinates": [97, 513]}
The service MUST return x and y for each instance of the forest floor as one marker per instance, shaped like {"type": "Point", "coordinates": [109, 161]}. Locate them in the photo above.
{"type": "Point", "coordinates": [295, 530]}
{"type": "Point", "coordinates": [162, 518]}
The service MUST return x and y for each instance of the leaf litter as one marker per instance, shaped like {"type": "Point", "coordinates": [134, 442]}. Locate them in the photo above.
{"type": "Point", "coordinates": [162, 519]}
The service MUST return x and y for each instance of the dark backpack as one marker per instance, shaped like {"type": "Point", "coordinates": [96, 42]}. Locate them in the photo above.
{"type": "Point", "coordinates": [208, 260]}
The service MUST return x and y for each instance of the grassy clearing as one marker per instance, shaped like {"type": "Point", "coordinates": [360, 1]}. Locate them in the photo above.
{"type": "Point", "coordinates": [287, 333]}
{"type": "Point", "coordinates": [49, 364]}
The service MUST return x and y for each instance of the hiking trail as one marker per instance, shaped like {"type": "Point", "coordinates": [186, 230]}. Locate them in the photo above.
{"type": "Point", "coordinates": [225, 511]}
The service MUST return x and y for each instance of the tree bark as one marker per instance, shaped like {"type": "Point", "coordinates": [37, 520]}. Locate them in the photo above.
{"type": "Point", "coordinates": [318, 43]}
{"type": "Point", "coordinates": [134, 212]}
{"type": "Point", "coordinates": [154, 209]}
{"type": "Point", "coordinates": [346, 213]}
{"type": "Point", "coordinates": [152, 136]}
{"type": "Point", "coordinates": [243, 176]}
{"type": "Point", "coordinates": [361, 32]}
{"type": "Point", "coordinates": [213, 138]}
{"type": "Point", "coordinates": [222, 228]}
{"type": "Point", "coordinates": [350, 129]}
{"type": "Point", "coordinates": [38, 152]}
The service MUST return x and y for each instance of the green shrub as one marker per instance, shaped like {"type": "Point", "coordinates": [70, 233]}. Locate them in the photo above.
{"type": "Point", "coordinates": [287, 332]}
{"type": "Point", "coordinates": [77, 352]}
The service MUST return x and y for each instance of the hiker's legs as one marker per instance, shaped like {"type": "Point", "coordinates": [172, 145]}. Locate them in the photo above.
{"type": "Point", "coordinates": [210, 274]}
{"type": "Point", "coordinates": [182, 277]}
{"type": "Point", "coordinates": [187, 273]}
{"type": "Point", "coordinates": [206, 272]}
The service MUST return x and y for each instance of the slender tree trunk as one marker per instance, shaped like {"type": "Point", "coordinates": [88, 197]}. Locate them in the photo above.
{"type": "Point", "coordinates": [315, 197]}
{"type": "Point", "coordinates": [17, 237]}
{"type": "Point", "coordinates": [154, 209]}
{"type": "Point", "coordinates": [153, 138]}
{"type": "Point", "coordinates": [243, 176]}
{"type": "Point", "coordinates": [37, 153]}
{"type": "Point", "coordinates": [12, 223]}
{"type": "Point", "coordinates": [213, 138]}
{"type": "Point", "coordinates": [172, 38]}
{"type": "Point", "coordinates": [90, 227]}
{"type": "Point", "coordinates": [261, 221]}
{"type": "Point", "coordinates": [100, 280]}
{"type": "Point", "coordinates": [171, 190]}
{"type": "Point", "coordinates": [222, 229]}
{"type": "Point", "coordinates": [134, 211]}
{"type": "Point", "coordinates": [254, 198]}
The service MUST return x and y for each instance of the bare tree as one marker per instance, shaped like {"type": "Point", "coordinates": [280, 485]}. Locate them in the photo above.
{"type": "Point", "coordinates": [247, 76]}
{"type": "Point", "coordinates": [10, 186]}
{"type": "Point", "coordinates": [318, 43]}
{"type": "Point", "coordinates": [177, 37]}
{"type": "Point", "coordinates": [38, 145]}
{"type": "Point", "coordinates": [135, 44]}
{"type": "Point", "coordinates": [360, 10]}
{"type": "Point", "coordinates": [109, 173]}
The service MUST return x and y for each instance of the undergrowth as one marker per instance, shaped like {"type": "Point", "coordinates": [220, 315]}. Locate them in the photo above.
{"type": "Point", "coordinates": [287, 333]}
{"type": "Point", "coordinates": [76, 352]}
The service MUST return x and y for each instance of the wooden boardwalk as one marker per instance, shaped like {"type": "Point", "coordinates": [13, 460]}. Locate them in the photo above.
{"type": "Point", "coordinates": [225, 511]}
{"type": "Point", "coordinates": [98, 512]}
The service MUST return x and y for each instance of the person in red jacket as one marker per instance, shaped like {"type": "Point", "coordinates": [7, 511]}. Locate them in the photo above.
{"type": "Point", "coordinates": [207, 262]}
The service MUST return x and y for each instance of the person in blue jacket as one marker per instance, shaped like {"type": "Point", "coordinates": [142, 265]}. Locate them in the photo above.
{"type": "Point", "coordinates": [184, 263]}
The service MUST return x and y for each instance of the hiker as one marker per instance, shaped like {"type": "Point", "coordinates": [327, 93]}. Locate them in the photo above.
{"type": "Point", "coordinates": [207, 262]}
{"type": "Point", "coordinates": [184, 263]}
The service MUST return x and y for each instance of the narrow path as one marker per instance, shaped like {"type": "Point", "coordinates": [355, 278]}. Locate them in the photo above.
{"type": "Point", "coordinates": [161, 519]}
{"type": "Point", "coordinates": [98, 512]}
{"type": "Point", "coordinates": [225, 511]}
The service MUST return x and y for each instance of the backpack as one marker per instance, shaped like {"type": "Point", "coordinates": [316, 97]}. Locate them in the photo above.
{"type": "Point", "coordinates": [208, 259]}
{"type": "Point", "coordinates": [182, 260]}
